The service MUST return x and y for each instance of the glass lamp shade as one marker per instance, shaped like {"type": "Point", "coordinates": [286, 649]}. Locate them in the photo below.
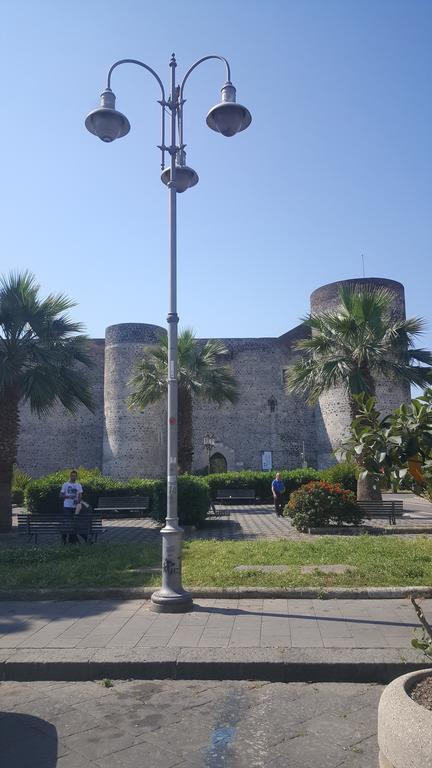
{"type": "Point", "coordinates": [228, 118]}
{"type": "Point", "coordinates": [186, 177]}
{"type": "Point", "coordinates": [107, 124]}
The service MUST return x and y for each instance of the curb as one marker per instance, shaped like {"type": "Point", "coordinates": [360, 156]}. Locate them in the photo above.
{"type": "Point", "coordinates": [226, 593]}
{"type": "Point", "coordinates": [275, 665]}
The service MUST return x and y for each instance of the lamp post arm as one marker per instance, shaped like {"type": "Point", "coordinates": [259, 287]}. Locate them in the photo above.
{"type": "Point", "coordinates": [200, 61]}
{"type": "Point", "coordinates": [139, 64]}
{"type": "Point", "coordinates": [162, 102]}
{"type": "Point", "coordinates": [183, 83]}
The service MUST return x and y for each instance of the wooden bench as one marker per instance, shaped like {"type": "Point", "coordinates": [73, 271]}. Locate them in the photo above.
{"type": "Point", "coordinates": [121, 505]}
{"type": "Point", "coordinates": [87, 524]}
{"type": "Point", "coordinates": [390, 509]}
{"type": "Point", "coordinates": [230, 495]}
{"type": "Point", "coordinates": [235, 495]}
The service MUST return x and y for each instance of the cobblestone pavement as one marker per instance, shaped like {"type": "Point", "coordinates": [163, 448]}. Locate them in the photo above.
{"type": "Point", "coordinates": [213, 623]}
{"type": "Point", "coordinates": [242, 523]}
{"type": "Point", "coordinates": [188, 724]}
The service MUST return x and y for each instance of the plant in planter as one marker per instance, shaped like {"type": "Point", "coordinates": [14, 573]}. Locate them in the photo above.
{"type": "Point", "coordinates": [367, 446]}
{"type": "Point", "coordinates": [396, 448]}
{"type": "Point", "coordinates": [320, 504]}
{"type": "Point", "coordinates": [405, 712]}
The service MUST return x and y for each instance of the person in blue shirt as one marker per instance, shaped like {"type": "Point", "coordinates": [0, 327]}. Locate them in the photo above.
{"type": "Point", "coordinates": [278, 490]}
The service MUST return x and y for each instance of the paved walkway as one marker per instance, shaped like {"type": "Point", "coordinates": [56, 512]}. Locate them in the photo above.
{"type": "Point", "coordinates": [184, 724]}
{"type": "Point", "coordinates": [213, 623]}
{"type": "Point", "coordinates": [243, 523]}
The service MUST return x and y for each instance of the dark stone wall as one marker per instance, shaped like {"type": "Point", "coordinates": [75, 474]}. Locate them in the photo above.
{"type": "Point", "coordinates": [61, 439]}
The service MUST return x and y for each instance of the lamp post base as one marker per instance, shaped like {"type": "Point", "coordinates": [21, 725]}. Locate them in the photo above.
{"type": "Point", "coordinates": [168, 601]}
{"type": "Point", "coordinates": [171, 597]}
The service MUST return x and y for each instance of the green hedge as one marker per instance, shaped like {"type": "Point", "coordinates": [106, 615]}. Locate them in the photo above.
{"type": "Point", "coordinates": [194, 493]}
{"type": "Point", "coordinates": [193, 500]}
{"type": "Point", "coordinates": [260, 481]}
{"type": "Point", "coordinates": [345, 474]}
{"type": "Point", "coordinates": [42, 495]}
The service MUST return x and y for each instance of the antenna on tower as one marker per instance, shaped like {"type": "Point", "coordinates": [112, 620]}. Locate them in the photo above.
{"type": "Point", "coordinates": [363, 265]}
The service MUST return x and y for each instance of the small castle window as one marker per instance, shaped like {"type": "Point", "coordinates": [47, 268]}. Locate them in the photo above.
{"type": "Point", "coordinates": [272, 403]}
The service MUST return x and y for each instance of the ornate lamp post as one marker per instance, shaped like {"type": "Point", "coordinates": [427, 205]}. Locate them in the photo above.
{"type": "Point", "coordinates": [227, 118]}
{"type": "Point", "coordinates": [209, 444]}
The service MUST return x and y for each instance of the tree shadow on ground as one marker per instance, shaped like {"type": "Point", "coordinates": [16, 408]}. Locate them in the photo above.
{"type": "Point", "coordinates": [27, 741]}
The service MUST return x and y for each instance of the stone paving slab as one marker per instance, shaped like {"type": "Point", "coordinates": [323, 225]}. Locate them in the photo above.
{"type": "Point", "coordinates": [180, 724]}
{"type": "Point", "coordinates": [258, 638]}
{"type": "Point", "coordinates": [95, 624]}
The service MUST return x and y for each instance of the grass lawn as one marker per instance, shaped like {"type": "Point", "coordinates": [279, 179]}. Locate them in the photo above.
{"type": "Point", "coordinates": [376, 561]}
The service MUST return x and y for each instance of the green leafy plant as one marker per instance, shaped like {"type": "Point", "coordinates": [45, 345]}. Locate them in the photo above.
{"type": "Point", "coordinates": [367, 446]}
{"type": "Point", "coordinates": [425, 643]}
{"type": "Point", "coordinates": [397, 447]}
{"type": "Point", "coordinates": [320, 504]}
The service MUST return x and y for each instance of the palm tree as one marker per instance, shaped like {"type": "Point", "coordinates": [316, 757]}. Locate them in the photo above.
{"type": "Point", "coordinates": [200, 374]}
{"type": "Point", "coordinates": [39, 349]}
{"type": "Point", "coordinates": [356, 344]}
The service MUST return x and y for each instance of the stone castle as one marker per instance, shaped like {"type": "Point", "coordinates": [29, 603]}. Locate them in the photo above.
{"type": "Point", "coordinates": [266, 421]}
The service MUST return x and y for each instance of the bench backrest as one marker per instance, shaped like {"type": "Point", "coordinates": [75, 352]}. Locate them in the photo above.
{"type": "Point", "coordinates": [123, 502]}
{"type": "Point", "coordinates": [381, 506]}
{"type": "Point", "coordinates": [235, 493]}
{"type": "Point", "coordinates": [54, 522]}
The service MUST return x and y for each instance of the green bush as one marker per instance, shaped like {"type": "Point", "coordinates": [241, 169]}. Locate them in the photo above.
{"type": "Point", "coordinates": [320, 504]}
{"type": "Point", "coordinates": [260, 481]}
{"type": "Point", "coordinates": [42, 495]}
{"type": "Point", "coordinates": [193, 501]}
{"type": "Point", "coordinates": [345, 474]}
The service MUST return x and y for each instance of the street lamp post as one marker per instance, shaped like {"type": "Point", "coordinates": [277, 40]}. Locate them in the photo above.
{"type": "Point", "coordinates": [209, 444]}
{"type": "Point", "coordinates": [227, 118]}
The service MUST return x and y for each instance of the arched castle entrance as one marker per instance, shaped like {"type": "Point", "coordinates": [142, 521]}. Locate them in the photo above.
{"type": "Point", "coordinates": [218, 463]}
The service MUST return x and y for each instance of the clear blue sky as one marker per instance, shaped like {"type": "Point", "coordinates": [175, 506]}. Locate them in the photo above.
{"type": "Point", "coordinates": [337, 161]}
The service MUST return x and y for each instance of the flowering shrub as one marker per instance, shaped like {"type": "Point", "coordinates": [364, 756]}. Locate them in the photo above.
{"type": "Point", "coordinates": [320, 504]}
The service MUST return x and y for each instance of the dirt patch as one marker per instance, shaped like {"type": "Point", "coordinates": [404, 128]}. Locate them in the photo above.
{"type": "Point", "coordinates": [422, 692]}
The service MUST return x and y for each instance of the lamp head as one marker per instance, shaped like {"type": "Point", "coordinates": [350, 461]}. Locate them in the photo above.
{"type": "Point", "coordinates": [185, 176]}
{"type": "Point", "coordinates": [228, 117]}
{"type": "Point", "coordinates": [106, 122]}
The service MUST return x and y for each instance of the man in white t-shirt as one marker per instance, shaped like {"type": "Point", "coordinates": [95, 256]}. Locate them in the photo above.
{"type": "Point", "coordinates": [71, 493]}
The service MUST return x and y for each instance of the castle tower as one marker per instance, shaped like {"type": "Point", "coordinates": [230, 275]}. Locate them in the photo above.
{"type": "Point", "coordinates": [332, 415]}
{"type": "Point", "coordinates": [134, 443]}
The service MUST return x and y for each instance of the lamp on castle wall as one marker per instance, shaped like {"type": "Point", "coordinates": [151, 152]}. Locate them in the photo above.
{"type": "Point", "coordinates": [108, 124]}
{"type": "Point", "coordinates": [209, 444]}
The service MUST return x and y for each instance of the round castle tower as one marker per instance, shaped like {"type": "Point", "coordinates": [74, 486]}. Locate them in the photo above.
{"type": "Point", "coordinates": [133, 442]}
{"type": "Point", "coordinates": [332, 415]}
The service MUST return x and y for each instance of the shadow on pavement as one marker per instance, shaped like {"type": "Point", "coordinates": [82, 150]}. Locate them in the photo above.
{"type": "Point", "coordinates": [27, 741]}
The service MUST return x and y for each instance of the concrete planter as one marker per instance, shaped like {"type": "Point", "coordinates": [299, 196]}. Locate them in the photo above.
{"type": "Point", "coordinates": [404, 727]}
